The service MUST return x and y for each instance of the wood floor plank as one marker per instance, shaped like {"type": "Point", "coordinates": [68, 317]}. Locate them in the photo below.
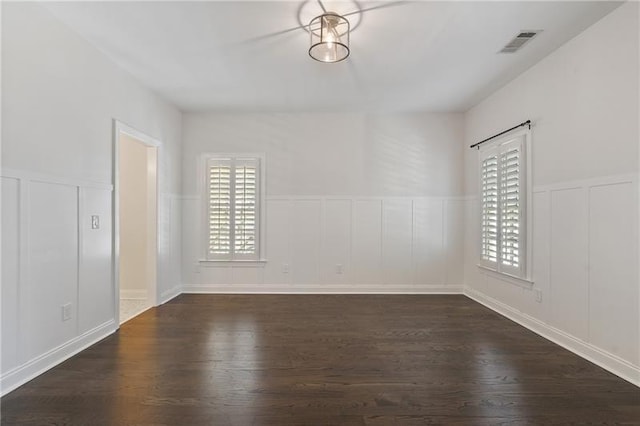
{"type": "Point", "coordinates": [323, 360]}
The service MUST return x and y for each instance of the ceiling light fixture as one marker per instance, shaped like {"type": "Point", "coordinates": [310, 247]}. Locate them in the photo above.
{"type": "Point", "coordinates": [329, 37]}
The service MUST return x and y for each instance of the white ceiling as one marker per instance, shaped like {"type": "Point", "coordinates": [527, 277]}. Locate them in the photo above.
{"type": "Point", "coordinates": [427, 56]}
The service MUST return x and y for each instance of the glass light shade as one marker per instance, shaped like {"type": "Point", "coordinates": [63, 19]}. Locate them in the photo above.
{"type": "Point", "coordinates": [329, 38]}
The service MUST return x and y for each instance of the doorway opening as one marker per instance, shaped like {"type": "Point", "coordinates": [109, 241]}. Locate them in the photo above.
{"type": "Point", "coordinates": [136, 222]}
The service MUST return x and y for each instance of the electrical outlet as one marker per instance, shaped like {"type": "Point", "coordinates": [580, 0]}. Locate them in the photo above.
{"type": "Point", "coordinates": [285, 268]}
{"type": "Point", "coordinates": [66, 312]}
{"type": "Point", "coordinates": [339, 268]}
{"type": "Point", "coordinates": [538, 295]}
{"type": "Point", "coordinates": [95, 222]}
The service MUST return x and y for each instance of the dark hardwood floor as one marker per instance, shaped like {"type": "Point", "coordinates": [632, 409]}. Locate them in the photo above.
{"type": "Point", "coordinates": [323, 360]}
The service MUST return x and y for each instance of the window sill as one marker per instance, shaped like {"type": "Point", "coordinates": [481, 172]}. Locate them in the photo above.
{"type": "Point", "coordinates": [520, 282]}
{"type": "Point", "coordinates": [238, 263]}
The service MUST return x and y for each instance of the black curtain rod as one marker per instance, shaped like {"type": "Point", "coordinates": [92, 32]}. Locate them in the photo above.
{"type": "Point", "coordinates": [526, 123]}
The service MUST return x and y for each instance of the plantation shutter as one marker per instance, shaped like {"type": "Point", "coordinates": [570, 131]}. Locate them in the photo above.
{"type": "Point", "coordinates": [489, 227]}
{"type": "Point", "coordinates": [219, 208]}
{"type": "Point", "coordinates": [502, 204]}
{"type": "Point", "coordinates": [233, 207]}
{"type": "Point", "coordinates": [510, 212]}
{"type": "Point", "coordinates": [246, 206]}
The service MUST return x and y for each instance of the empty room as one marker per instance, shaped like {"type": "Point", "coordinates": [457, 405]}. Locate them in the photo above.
{"type": "Point", "coordinates": [318, 212]}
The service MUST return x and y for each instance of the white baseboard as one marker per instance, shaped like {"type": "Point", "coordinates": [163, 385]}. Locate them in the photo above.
{"type": "Point", "coordinates": [604, 359]}
{"type": "Point", "coordinates": [133, 294]}
{"type": "Point", "coordinates": [321, 289]}
{"type": "Point", "coordinates": [31, 369]}
{"type": "Point", "coordinates": [169, 294]}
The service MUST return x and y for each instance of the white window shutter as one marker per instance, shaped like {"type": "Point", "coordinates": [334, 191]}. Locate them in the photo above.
{"type": "Point", "coordinates": [489, 226]}
{"type": "Point", "coordinates": [246, 175]}
{"type": "Point", "coordinates": [510, 205]}
{"type": "Point", "coordinates": [503, 203]}
{"type": "Point", "coordinates": [219, 207]}
{"type": "Point", "coordinates": [232, 193]}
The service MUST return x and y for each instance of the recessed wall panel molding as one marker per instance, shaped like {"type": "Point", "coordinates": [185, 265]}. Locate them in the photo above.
{"type": "Point", "coordinates": [335, 266]}
{"type": "Point", "coordinates": [10, 292]}
{"type": "Point", "coordinates": [613, 270]}
{"type": "Point", "coordinates": [397, 241]}
{"type": "Point", "coordinates": [169, 246]}
{"type": "Point", "coordinates": [57, 288]}
{"type": "Point", "coordinates": [96, 290]}
{"type": "Point", "coordinates": [569, 279]}
{"type": "Point", "coordinates": [454, 240]}
{"type": "Point", "coordinates": [428, 253]}
{"type": "Point", "coordinates": [306, 227]}
{"type": "Point", "coordinates": [52, 223]}
{"type": "Point", "coordinates": [342, 245]}
{"type": "Point", "coordinates": [277, 270]}
{"type": "Point", "coordinates": [366, 242]}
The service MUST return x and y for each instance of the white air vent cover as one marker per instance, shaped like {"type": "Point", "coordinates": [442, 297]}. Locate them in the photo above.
{"type": "Point", "coordinates": [519, 40]}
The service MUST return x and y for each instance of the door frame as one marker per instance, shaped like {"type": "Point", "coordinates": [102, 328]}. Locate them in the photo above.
{"type": "Point", "coordinates": [121, 128]}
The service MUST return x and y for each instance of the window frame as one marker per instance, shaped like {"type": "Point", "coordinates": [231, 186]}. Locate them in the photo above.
{"type": "Point", "coordinates": [523, 272]}
{"type": "Point", "coordinates": [203, 168]}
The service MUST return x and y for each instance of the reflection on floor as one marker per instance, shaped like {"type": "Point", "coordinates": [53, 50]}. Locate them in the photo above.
{"type": "Point", "coordinates": [130, 308]}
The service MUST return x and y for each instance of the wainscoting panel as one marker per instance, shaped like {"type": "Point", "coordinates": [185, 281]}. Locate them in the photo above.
{"type": "Point", "coordinates": [502, 289]}
{"type": "Point", "coordinates": [569, 285]}
{"type": "Point", "coordinates": [613, 283]}
{"type": "Point", "coordinates": [428, 239]}
{"type": "Point", "coordinates": [278, 268]}
{"type": "Point", "coordinates": [214, 274]}
{"type": "Point", "coordinates": [11, 301]}
{"type": "Point", "coordinates": [96, 292]}
{"type": "Point", "coordinates": [341, 245]}
{"type": "Point", "coordinates": [305, 242]}
{"type": "Point", "coordinates": [246, 276]}
{"type": "Point", "coordinates": [169, 275]}
{"type": "Point", "coordinates": [171, 281]}
{"type": "Point", "coordinates": [335, 266]}
{"type": "Point", "coordinates": [585, 271]}
{"type": "Point", "coordinates": [397, 236]}
{"type": "Point", "coordinates": [366, 248]}
{"type": "Point", "coordinates": [454, 240]}
{"type": "Point", "coordinates": [541, 256]}
{"type": "Point", "coordinates": [52, 225]}
{"type": "Point", "coordinates": [57, 289]}
{"type": "Point", "coordinates": [53, 258]}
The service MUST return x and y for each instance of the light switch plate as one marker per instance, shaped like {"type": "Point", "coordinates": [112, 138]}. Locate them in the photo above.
{"type": "Point", "coordinates": [95, 222]}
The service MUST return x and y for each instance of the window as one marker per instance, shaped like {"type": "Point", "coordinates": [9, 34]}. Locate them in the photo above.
{"type": "Point", "coordinates": [232, 207]}
{"type": "Point", "coordinates": [504, 201]}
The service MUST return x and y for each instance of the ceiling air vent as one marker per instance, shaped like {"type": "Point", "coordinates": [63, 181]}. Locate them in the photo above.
{"type": "Point", "coordinates": [520, 40]}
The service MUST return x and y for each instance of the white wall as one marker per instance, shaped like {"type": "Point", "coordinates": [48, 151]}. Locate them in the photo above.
{"type": "Point", "coordinates": [59, 98]}
{"type": "Point", "coordinates": [377, 194]}
{"type": "Point", "coordinates": [583, 101]}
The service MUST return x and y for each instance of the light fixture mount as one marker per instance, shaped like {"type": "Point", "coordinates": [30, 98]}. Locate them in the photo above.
{"type": "Point", "coordinates": [329, 34]}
